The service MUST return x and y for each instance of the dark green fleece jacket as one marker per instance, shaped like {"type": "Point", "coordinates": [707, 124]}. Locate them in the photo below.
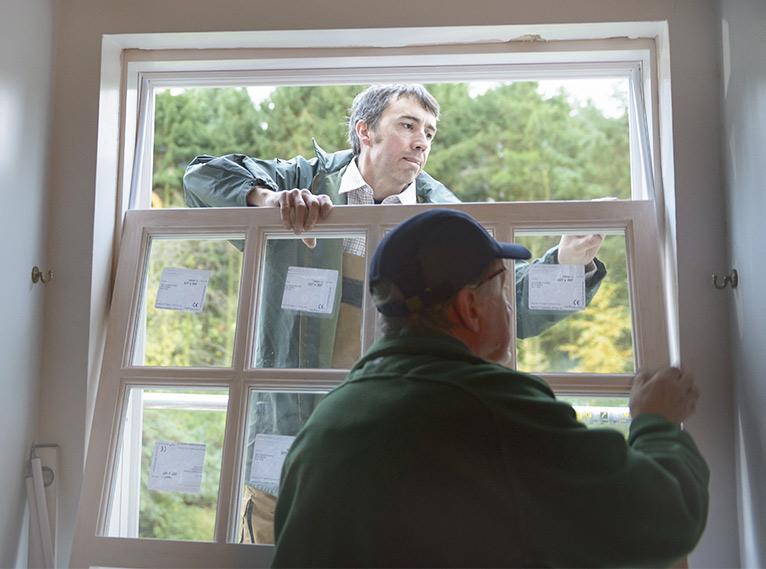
{"type": "Point", "coordinates": [430, 456]}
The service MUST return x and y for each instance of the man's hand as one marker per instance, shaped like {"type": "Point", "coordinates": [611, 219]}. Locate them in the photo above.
{"type": "Point", "coordinates": [579, 249]}
{"type": "Point", "coordinates": [298, 209]}
{"type": "Point", "coordinates": [670, 393]}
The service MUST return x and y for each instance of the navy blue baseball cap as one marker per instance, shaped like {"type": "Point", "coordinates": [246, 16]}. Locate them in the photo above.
{"type": "Point", "coordinates": [434, 254]}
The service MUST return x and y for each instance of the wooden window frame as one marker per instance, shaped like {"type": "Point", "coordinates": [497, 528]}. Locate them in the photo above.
{"type": "Point", "coordinates": [92, 548]}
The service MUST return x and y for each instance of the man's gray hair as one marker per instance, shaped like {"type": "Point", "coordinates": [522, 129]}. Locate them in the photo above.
{"type": "Point", "coordinates": [434, 317]}
{"type": "Point", "coordinates": [370, 104]}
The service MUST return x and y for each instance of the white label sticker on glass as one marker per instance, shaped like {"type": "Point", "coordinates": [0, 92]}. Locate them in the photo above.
{"type": "Point", "coordinates": [268, 456]}
{"type": "Point", "coordinates": [310, 290]}
{"type": "Point", "coordinates": [182, 289]}
{"type": "Point", "coordinates": [176, 467]}
{"type": "Point", "coordinates": [556, 287]}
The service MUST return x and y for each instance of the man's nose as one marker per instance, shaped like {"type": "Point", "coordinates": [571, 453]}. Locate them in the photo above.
{"type": "Point", "coordinates": [420, 140]}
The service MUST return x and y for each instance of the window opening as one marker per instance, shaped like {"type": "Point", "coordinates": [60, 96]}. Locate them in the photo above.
{"type": "Point", "coordinates": [567, 139]}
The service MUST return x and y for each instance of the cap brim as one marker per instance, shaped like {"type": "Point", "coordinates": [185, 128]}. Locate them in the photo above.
{"type": "Point", "coordinates": [513, 251]}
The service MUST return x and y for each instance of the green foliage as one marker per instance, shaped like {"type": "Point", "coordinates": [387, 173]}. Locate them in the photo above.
{"type": "Point", "coordinates": [292, 116]}
{"type": "Point", "coordinates": [511, 144]}
{"type": "Point", "coordinates": [188, 339]}
{"type": "Point", "coordinates": [601, 339]}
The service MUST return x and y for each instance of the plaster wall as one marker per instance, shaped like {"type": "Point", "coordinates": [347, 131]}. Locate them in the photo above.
{"type": "Point", "coordinates": [743, 58]}
{"type": "Point", "coordinates": [26, 30]}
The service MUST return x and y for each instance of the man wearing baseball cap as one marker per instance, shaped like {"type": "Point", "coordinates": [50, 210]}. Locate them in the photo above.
{"type": "Point", "coordinates": [433, 454]}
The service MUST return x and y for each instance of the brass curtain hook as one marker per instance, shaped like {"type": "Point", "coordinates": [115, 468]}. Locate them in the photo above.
{"type": "Point", "coordinates": [37, 275]}
{"type": "Point", "coordinates": [731, 279]}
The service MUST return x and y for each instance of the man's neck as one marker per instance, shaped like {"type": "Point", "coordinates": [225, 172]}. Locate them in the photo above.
{"type": "Point", "coordinates": [380, 188]}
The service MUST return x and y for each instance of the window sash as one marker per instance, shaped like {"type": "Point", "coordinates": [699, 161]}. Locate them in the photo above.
{"type": "Point", "coordinates": [635, 218]}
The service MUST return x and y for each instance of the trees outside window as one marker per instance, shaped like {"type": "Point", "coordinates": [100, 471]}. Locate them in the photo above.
{"type": "Point", "coordinates": [509, 142]}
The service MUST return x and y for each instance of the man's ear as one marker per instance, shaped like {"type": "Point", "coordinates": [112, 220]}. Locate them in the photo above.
{"type": "Point", "coordinates": [364, 133]}
{"type": "Point", "coordinates": [467, 310]}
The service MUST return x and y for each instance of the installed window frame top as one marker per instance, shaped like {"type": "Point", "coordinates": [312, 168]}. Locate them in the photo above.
{"type": "Point", "coordinates": [145, 72]}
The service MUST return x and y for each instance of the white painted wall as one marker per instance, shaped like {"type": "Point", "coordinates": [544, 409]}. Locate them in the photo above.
{"type": "Point", "coordinates": [82, 196]}
{"type": "Point", "coordinates": [26, 40]}
{"type": "Point", "coordinates": [743, 24]}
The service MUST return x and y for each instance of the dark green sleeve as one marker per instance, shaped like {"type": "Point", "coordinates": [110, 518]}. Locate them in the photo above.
{"type": "Point", "coordinates": [225, 181]}
{"type": "Point", "coordinates": [677, 457]}
{"type": "Point", "coordinates": [589, 499]}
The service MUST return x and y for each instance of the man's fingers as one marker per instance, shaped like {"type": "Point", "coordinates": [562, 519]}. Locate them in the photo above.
{"type": "Point", "coordinates": [579, 249]}
{"type": "Point", "coordinates": [318, 207]}
{"type": "Point", "coordinates": [285, 204]}
{"type": "Point", "coordinates": [590, 239]}
{"type": "Point", "coordinates": [670, 393]}
{"type": "Point", "coordinates": [300, 209]}
{"type": "Point", "coordinates": [592, 243]}
{"type": "Point", "coordinates": [685, 383]}
{"type": "Point", "coordinates": [325, 206]}
{"type": "Point", "coordinates": [672, 374]}
{"type": "Point", "coordinates": [640, 378]}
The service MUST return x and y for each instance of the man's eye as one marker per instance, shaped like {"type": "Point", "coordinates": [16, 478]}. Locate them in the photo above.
{"type": "Point", "coordinates": [407, 125]}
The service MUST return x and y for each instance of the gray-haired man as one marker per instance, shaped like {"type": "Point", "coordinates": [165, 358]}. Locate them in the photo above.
{"type": "Point", "coordinates": [430, 454]}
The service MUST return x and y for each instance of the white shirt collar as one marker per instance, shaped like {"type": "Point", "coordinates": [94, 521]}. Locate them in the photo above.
{"type": "Point", "coordinates": [352, 180]}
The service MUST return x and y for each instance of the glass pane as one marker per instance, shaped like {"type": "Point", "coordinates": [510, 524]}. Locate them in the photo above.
{"type": "Point", "coordinates": [169, 464]}
{"type": "Point", "coordinates": [600, 412]}
{"type": "Point", "coordinates": [273, 421]}
{"type": "Point", "coordinates": [553, 139]}
{"type": "Point", "coordinates": [310, 302]}
{"type": "Point", "coordinates": [189, 302]}
{"type": "Point", "coordinates": [555, 334]}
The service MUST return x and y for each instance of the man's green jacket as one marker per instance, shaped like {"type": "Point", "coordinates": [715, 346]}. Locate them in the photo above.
{"type": "Point", "coordinates": [429, 456]}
